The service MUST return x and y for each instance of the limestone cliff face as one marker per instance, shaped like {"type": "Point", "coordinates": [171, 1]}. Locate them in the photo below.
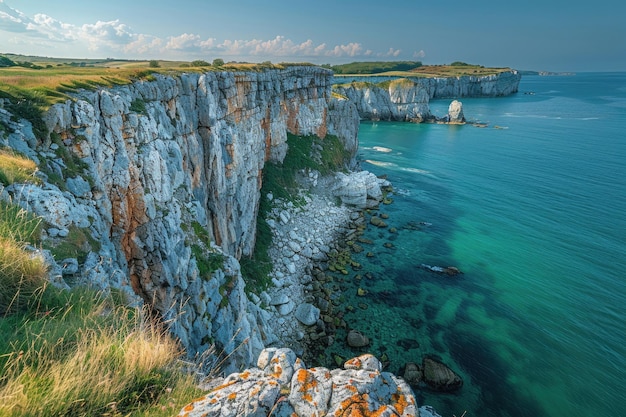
{"type": "Point", "coordinates": [407, 99]}
{"type": "Point", "coordinates": [501, 84]}
{"type": "Point", "coordinates": [400, 100]}
{"type": "Point", "coordinates": [170, 152]}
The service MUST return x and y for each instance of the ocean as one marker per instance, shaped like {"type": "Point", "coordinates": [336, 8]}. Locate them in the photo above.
{"type": "Point", "coordinates": [532, 210]}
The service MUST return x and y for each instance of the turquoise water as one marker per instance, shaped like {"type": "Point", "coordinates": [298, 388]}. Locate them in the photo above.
{"type": "Point", "coordinates": [532, 210]}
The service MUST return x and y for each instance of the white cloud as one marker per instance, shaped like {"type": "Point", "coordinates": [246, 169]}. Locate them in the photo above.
{"type": "Point", "coordinates": [393, 52]}
{"type": "Point", "coordinates": [114, 38]}
{"type": "Point", "coordinates": [419, 54]}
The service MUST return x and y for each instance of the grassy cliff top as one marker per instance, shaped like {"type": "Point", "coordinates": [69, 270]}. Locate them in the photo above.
{"type": "Point", "coordinates": [49, 80]}
{"type": "Point", "coordinates": [442, 71]}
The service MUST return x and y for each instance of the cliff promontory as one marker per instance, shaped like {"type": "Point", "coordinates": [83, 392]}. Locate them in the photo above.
{"type": "Point", "coordinates": [382, 97]}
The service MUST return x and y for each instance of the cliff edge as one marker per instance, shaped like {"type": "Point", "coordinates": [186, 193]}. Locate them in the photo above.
{"type": "Point", "coordinates": [163, 176]}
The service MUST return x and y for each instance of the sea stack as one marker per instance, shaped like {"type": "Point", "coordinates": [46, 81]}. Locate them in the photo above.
{"type": "Point", "coordinates": [455, 112]}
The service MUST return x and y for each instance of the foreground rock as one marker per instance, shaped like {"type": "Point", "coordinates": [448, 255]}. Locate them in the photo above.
{"type": "Point", "coordinates": [281, 385]}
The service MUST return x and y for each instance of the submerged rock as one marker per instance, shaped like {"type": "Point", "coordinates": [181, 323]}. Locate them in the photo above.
{"type": "Point", "coordinates": [439, 376]}
{"type": "Point", "coordinates": [357, 339]}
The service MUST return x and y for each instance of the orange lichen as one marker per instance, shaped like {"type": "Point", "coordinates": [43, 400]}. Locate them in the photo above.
{"type": "Point", "coordinates": [307, 397]}
{"type": "Point", "coordinates": [189, 407]}
{"type": "Point", "coordinates": [277, 371]}
{"type": "Point", "coordinates": [213, 401]}
{"type": "Point", "coordinates": [352, 388]}
{"type": "Point", "coordinates": [356, 362]}
{"type": "Point", "coordinates": [301, 375]}
{"type": "Point", "coordinates": [245, 375]}
{"type": "Point", "coordinates": [232, 396]}
{"type": "Point", "coordinates": [399, 402]}
{"type": "Point", "coordinates": [222, 386]}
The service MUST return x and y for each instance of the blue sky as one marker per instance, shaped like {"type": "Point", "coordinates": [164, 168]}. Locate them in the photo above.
{"type": "Point", "coordinates": [539, 35]}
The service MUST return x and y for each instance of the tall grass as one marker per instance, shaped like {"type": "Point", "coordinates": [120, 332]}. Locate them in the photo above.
{"type": "Point", "coordinates": [82, 354]}
{"type": "Point", "coordinates": [16, 168]}
{"type": "Point", "coordinates": [22, 273]}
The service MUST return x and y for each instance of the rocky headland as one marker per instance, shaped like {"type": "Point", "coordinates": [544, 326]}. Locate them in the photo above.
{"type": "Point", "coordinates": [407, 98]}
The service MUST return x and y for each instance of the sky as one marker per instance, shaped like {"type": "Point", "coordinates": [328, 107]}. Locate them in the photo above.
{"type": "Point", "coordinates": [543, 35]}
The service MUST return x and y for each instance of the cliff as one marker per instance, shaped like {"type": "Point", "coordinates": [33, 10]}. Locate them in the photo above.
{"type": "Point", "coordinates": [407, 99]}
{"type": "Point", "coordinates": [167, 188]}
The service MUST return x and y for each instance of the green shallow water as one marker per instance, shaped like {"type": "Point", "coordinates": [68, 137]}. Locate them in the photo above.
{"type": "Point", "coordinates": [533, 213]}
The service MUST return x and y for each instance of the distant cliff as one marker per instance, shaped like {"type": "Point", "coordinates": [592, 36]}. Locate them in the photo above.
{"type": "Point", "coordinates": [407, 99]}
{"type": "Point", "coordinates": [170, 188]}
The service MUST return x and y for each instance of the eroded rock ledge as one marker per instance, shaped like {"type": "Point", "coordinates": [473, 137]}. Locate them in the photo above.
{"type": "Point", "coordinates": [281, 385]}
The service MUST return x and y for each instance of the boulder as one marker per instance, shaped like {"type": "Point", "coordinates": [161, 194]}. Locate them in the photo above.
{"type": "Point", "coordinates": [412, 373]}
{"type": "Point", "coordinates": [307, 314]}
{"type": "Point", "coordinates": [357, 339]}
{"type": "Point", "coordinates": [439, 376]}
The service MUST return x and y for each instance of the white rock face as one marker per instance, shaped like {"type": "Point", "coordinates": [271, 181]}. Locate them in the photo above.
{"type": "Point", "coordinates": [403, 100]}
{"type": "Point", "coordinates": [455, 112]}
{"type": "Point", "coordinates": [196, 154]}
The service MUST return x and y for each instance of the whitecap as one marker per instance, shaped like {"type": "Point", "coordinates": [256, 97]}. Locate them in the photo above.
{"type": "Point", "coordinates": [417, 171]}
{"type": "Point", "coordinates": [380, 163]}
{"type": "Point", "coordinates": [382, 149]}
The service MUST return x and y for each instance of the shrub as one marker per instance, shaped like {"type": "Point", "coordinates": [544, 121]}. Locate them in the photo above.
{"type": "Point", "coordinates": [200, 63]}
{"type": "Point", "coordinates": [138, 106]}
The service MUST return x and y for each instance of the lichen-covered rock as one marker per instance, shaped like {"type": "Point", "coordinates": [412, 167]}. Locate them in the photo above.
{"type": "Point", "coordinates": [311, 391]}
{"type": "Point", "coordinates": [361, 389]}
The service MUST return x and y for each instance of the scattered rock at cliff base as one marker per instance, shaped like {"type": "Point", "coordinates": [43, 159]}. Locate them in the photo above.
{"type": "Point", "coordinates": [307, 314]}
{"type": "Point", "coordinates": [412, 373]}
{"type": "Point", "coordinates": [439, 376]}
{"type": "Point", "coordinates": [357, 339]}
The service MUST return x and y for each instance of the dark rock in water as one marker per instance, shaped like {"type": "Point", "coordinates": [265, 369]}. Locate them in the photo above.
{"type": "Point", "coordinates": [376, 221]}
{"type": "Point", "coordinates": [412, 373]}
{"type": "Point", "coordinates": [448, 270]}
{"type": "Point", "coordinates": [439, 376]}
{"type": "Point", "coordinates": [407, 344]}
{"type": "Point", "coordinates": [357, 339]}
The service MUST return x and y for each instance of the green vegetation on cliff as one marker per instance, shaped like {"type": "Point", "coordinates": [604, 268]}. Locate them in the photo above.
{"type": "Point", "coordinates": [374, 67]}
{"type": "Point", "coordinates": [280, 179]}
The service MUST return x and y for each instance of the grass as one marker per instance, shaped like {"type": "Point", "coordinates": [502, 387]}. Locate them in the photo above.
{"type": "Point", "coordinates": [207, 259]}
{"type": "Point", "coordinates": [22, 273]}
{"type": "Point", "coordinates": [83, 354]}
{"type": "Point", "coordinates": [56, 81]}
{"type": "Point", "coordinates": [16, 168]}
{"type": "Point", "coordinates": [442, 71]}
{"type": "Point", "coordinates": [77, 244]}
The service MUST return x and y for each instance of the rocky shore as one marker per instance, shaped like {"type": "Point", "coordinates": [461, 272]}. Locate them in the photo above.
{"type": "Point", "coordinates": [308, 239]}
